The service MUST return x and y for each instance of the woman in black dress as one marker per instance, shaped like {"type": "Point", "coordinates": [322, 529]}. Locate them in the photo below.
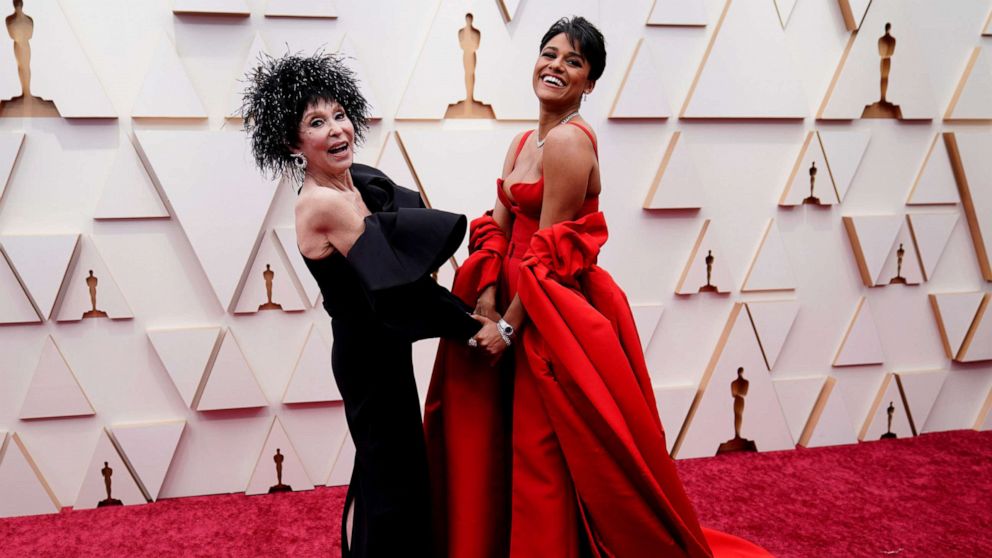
{"type": "Point", "coordinates": [371, 246]}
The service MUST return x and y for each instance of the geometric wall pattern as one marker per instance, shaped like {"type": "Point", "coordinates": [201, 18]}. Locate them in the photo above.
{"type": "Point", "coordinates": [278, 464]}
{"type": "Point", "coordinates": [973, 174]}
{"type": "Point", "coordinates": [23, 489]}
{"type": "Point", "coordinates": [170, 214]}
{"type": "Point", "coordinates": [108, 477]}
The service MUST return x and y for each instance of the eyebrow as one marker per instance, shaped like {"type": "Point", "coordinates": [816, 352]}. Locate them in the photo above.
{"type": "Point", "coordinates": [570, 53]}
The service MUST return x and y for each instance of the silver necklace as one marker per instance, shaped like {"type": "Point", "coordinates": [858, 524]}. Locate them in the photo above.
{"type": "Point", "coordinates": [540, 142]}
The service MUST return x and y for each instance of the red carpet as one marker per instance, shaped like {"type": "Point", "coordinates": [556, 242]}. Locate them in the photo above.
{"type": "Point", "coordinates": [923, 497]}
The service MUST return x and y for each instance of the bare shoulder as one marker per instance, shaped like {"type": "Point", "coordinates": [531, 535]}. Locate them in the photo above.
{"type": "Point", "coordinates": [567, 140]}
{"type": "Point", "coordinates": [319, 208]}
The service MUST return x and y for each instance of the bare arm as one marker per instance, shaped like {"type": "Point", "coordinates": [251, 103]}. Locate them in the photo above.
{"type": "Point", "coordinates": [326, 222]}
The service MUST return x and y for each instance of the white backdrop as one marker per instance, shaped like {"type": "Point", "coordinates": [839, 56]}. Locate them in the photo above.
{"type": "Point", "coordinates": [409, 55]}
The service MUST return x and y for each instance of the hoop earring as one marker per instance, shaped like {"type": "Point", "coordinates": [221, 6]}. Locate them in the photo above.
{"type": "Point", "coordinates": [299, 160]}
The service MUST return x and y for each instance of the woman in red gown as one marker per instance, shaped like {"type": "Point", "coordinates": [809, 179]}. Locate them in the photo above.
{"type": "Point", "coordinates": [586, 472]}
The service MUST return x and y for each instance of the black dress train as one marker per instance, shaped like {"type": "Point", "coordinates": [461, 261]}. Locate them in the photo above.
{"type": "Point", "coordinates": [381, 299]}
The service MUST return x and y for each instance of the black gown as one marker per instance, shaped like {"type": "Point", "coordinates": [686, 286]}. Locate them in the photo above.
{"type": "Point", "coordinates": [381, 299]}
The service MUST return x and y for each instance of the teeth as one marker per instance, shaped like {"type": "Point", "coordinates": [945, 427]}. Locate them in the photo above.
{"type": "Point", "coordinates": [551, 80]}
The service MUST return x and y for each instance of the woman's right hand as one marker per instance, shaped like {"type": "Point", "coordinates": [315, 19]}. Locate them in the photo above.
{"type": "Point", "coordinates": [489, 339]}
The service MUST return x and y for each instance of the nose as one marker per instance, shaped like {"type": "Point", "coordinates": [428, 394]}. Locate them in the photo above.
{"type": "Point", "coordinates": [555, 64]}
{"type": "Point", "coordinates": [334, 128]}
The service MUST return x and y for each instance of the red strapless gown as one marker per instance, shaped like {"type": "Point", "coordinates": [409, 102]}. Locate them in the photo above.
{"type": "Point", "coordinates": [590, 473]}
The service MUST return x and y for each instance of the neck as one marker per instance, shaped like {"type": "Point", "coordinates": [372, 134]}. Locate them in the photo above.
{"type": "Point", "coordinates": [340, 181]}
{"type": "Point", "coordinates": [552, 116]}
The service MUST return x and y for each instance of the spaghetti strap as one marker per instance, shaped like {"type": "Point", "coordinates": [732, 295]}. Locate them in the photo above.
{"type": "Point", "coordinates": [588, 133]}
{"type": "Point", "coordinates": [520, 146]}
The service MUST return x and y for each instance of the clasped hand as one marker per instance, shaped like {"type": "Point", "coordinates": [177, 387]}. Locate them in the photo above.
{"type": "Point", "coordinates": [488, 338]}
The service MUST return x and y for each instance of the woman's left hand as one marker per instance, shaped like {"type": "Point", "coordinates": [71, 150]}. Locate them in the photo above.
{"type": "Point", "coordinates": [489, 338]}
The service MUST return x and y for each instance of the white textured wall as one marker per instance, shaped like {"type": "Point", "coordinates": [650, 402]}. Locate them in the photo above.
{"type": "Point", "coordinates": [743, 166]}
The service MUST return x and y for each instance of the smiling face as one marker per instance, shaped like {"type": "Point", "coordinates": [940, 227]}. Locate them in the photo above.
{"type": "Point", "coordinates": [561, 74]}
{"type": "Point", "coordinates": [326, 138]}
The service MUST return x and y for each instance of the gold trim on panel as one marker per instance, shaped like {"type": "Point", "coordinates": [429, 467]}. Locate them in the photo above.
{"type": "Point", "coordinates": [661, 170]}
{"type": "Point", "coordinates": [964, 192]}
{"type": "Point", "coordinates": [814, 417]}
{"type": "Point", "coordinates": [859, 255]}
{"type": "Point", "coordinates": [706, 55]}
{"type": "Point", "coordinates": [836, 77]}
{"type": "Point", "coordinates": [728, 328]}
{"type": "Point", "coordinates": [962, 82]}
{"type": "Point", "coordinates": [976, 322]}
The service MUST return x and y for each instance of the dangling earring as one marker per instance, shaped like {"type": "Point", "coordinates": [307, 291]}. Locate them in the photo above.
{"type": "Point", "coordinates": [300, 160]}
{"type": "Point", "coordinates": [585, 96]}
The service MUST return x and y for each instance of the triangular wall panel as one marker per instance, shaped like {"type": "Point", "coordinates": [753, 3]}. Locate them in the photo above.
{"type": "Point", "coordinates": [673, 405]}
{"type": "Point", "coordinates": [41, 262]}
{"type": "Point", "coordinates": [770, 269]}
{"type": "Point", "coordinates": [784, 9]}
{"type": "Point", "coordinates": [861, 344]}
{"type": "Point", "coordinates": [909, 270]}
{"type": "Point", "coordinates": [931, 231]}
{"type": "Point", "coordinates": [287, 239]}
{"type": "Point", "coordinates": [395, 162]}
{"type": "Point", "coordinates": [167, 91]}
{"type": "Point", "coordinates": [678, 13]}
{"type": "Point", "coordinates": [969, 154]}
{"type": "Point", "coordinates": [255, 51]}
{"type": "Point", "coordinates": [229, 382]}
{"type": "Point", "coordinates": [772, 322]}
{"type": "Point", "coordinates": [888, 400]}
{"type": "Point", "coordinates": [212, 7]}
{"type": "Point", "coordinates": [920, 388]}
{"type": "Point", "coordinates": [746, 71]}
{"type": "Point", "coordinates": [646, 318]}
{"type": "Point", "coordinates": [185, 353]}
{"type": "Point", "coordinates": [23, 489]}
{"type": "Point", "coordinates": [10, 146]}
{"type": "Point", "coordinates": [91, 278]}
{"type": "Point", "coordinates": [934, 184]}
{"type": "Point", "coordinates": [641, 94]}
{"type": "Point", "coordinates": [509, 8]}
{"type": "Point", "coordinates": [844, 150]}
{"type": "Point", "coordinates": [269, 271]}
{"type": "Point", "coordinates": [149, 449]}
{"type": "Point", "coordinates": [54, 390]}
{"type": "Point", "coordinates": [853, 12]}
{"type": "Point", "coordinates": [15, 306]}
{"type": "Point", "coordinates": [810, 169]}
{"type": "Point", "coordinates": [873, 239]}
{"type": "Point", "coordinates": [856, 81]}
{"type": "Point", "coordinates": [955, 313]}
{"type": "Point", "coordinates": [60, 69]}
{"type": "Point", "coordinates": [265, 475]}
{"type": "Point", "coordinates": [984, 420]}
{"type": "Point", "coordinates": [200, 191]}
{"type": "Point", "coordinates": [972, 99]}
{"type": "Point", "coordinates": [301, 8]}
{"type": "Point", "coordinates": [107, 462]}
{"type": "Point", "coordinates": [128, 192]}
{"type": "Point", "coordinates": [694, 275]}
{"type": "Point", "coordinates": [830, 422]}
{"type": "Point", "coordinates": [977, 344]}
{"type": "Point", "coordinates": [344, 464]}
{"type": "Point", "coordinates": [676, 185]}
{"type": "Point", "coordinates": [797, 396]}
{"type": "Point", "coordinates": [711, 419]}
{"type": "Point", "coordinates": [312, 380]}
{"type": "Point", "coordinates": [353, 59]}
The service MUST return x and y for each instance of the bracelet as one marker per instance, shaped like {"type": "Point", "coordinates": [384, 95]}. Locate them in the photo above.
{"type": "Point", "coordinates": [506, 338]}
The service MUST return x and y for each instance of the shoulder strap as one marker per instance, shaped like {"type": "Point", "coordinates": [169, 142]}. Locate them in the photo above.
{"type": "Point", "coordinates": [588, 133]}
{"type": "Point", "coordinates": [520, 146]}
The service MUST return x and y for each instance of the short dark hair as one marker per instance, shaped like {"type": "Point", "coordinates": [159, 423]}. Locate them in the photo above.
{"type": "Point", "coordinates": [279, 90]}
{"type": "Point", "coordinates": [586, 37]}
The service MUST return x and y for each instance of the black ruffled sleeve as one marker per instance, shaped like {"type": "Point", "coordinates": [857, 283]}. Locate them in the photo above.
{"type": "Point", "coordinates": [400, 247]}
